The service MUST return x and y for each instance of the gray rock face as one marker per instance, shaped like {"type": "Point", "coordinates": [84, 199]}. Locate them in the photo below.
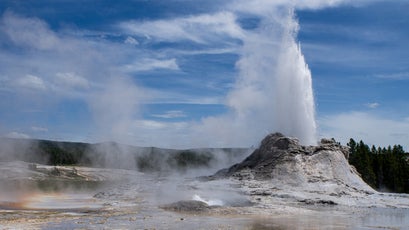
{"type": "Point", "coordinates": [285, 161]}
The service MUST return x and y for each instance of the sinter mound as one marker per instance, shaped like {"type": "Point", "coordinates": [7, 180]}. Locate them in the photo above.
{"type": "Point", "coordinates": [288, 164]}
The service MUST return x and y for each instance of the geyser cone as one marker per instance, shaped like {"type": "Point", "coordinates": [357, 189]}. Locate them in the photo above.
{"type": "Point", "coordinates": [284, 161]}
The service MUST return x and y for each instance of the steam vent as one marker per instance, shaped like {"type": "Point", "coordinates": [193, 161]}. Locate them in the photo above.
{"type": "Point", "coordinates": [284, 162]}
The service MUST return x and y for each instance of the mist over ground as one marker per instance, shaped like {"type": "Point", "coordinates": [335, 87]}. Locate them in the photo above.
{"type": "Point", "coordinates": [119, 156]}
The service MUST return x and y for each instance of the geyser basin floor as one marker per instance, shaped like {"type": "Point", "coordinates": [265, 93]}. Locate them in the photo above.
{"type": "Point", "coordinates": [134, 203]}
{"type": "Point", "coordinates": [52, 201]}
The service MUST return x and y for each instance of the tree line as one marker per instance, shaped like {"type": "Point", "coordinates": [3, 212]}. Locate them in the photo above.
{"type": "Point", "coordinates": [384, 169]}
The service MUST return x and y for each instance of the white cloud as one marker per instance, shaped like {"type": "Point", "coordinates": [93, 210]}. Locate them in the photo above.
{"type": "Point", "coordinates": [70, 65]}
{"type": "Point", "coordinates": [39, 129]}
{"type": "Point", "coordinates": [150, 124]}
{"type": "Point", "coordinates": [152, 64]}
{"type": "Point", "coordinates": [171, 114]}
{"type": "Point", "coordinates": [71, 58]}
{"type": "Point", "coordinates": [343, 56]}
{"type": "Point", "coordinates": [372, 129]}
{"type": "Point", "coordinates": [71, 80]}
{"type": "Point", "coordinates": [162, 134]}
{"type": "Point", "coordinates": [231, 50]}
{"type": "Point", "coordinates": [166, 96]}
{"type": "Point", "coordinates": [29, 32]}
{"type": "Point", "coordinates": [132, 41]}
{"type": "Point", "coordinates": [394, 76]}
{"type": "Point", "coordinates": [17, 135]}
{"type": "Point", "coordinates": [31, 82]}
{"type": "Point", "coordinates": [263, 7]}
{"type": "Point", "coordinates": [199, 28]}
{"type": "Point", "coordinates": [372, 105]}
{"type": "Point", "coordinates": [357, 54]}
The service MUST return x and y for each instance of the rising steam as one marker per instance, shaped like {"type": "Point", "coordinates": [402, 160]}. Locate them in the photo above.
{"type": "Point", "coordinates": [273, 70]}
{"type": "Point", "coordinates": [273, 91]}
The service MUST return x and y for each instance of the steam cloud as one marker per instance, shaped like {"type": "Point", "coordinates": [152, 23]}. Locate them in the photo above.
{"type": "Point", "coordinates": [274, 89]}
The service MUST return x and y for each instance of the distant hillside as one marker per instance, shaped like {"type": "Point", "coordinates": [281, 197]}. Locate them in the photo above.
{"type": "Point", "coordinates": [114, 155]}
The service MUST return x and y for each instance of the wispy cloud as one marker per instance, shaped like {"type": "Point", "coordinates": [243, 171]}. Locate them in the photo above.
{"type": "Point", "coordinates": [31, 82]}
{"type": "Point", "coordinates": [71, 80]}
{"type": "Point", "coordinates": [39, 129]}
{"type": "Point", "coordinates": [372, 105]}
{"type": "Point", "coordinates": [198, 28]}
{"type": "Point", "coordinates": [61, 66]}
{"type": "Point", "coordinates": [31, 33]}
{"type": "Point", "coordinates": [342, 56]}
{"type": "Point", "coordinates": [167, 96]}
{"type": "Point", "coordinates": [47, 61]}
{"type": "Point", "coordinates": [394, 76]}
{"type": "Point", "coordinates": [353, 34]}
{"type": "Point", "coordinates": [148, 64]}
{"type": "Point", "coordinates": [263, 7]}
{"type": "Point", "coordinates": [370, 128]}
{"type": "Point", "coordinates": [146, 132]}
{"type": "Point", "coordinates": [17, 135]}
{"type": "Point", "coordinates": [132, 41]}
{"type": "Point", "coordinates": [171, 114]}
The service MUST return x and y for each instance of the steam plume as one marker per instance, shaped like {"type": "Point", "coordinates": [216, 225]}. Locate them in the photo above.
{"type": "Point", "coordinates": [273, 91]}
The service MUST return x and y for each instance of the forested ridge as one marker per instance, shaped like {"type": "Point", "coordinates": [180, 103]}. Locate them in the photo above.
{"type": "Point", "coordinates": [385, 169]}
{"type": "Point", "coordinates": [113, 155]}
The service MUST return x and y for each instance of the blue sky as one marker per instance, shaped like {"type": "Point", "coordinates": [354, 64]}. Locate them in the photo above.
{"type": "Point", "coordinates": [197, 73]}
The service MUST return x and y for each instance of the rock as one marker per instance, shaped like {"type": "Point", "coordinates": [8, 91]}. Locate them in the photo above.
{"type": "Point", "coordinates": [187, 206]}
{"type": "Point", "coordinates": [288, 163]}
{"type": "Point", "coordinates": [331, 144]}
{"type": "Point", "coordinates": [274, 148]}
{"type": "Point", "coordinates": [318, 202]}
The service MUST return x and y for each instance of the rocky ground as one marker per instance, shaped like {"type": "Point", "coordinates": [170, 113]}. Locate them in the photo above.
{"type": "Point", "coordinates": [282, 185]}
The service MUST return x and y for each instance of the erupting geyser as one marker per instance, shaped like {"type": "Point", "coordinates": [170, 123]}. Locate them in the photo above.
{"type": "Point", "coordinates": [295, 110]}
{"type": "Point", "coordinates": [274, 88]}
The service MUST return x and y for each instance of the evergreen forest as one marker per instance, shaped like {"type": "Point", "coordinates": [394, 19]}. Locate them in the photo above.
{"type": "Point", "coordinates": [384, 169]}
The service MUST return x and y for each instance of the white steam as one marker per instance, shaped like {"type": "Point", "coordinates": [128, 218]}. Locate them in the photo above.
{"type": "Point", "coordinates": [210, 202]}
{"type": "Point", "coordinates": [273, 91]}
{"type": "Point", "coordinates": [274, 86]}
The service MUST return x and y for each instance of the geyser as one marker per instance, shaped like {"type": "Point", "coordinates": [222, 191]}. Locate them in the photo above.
{"type": "Point", "coordinates": [274, 88]}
